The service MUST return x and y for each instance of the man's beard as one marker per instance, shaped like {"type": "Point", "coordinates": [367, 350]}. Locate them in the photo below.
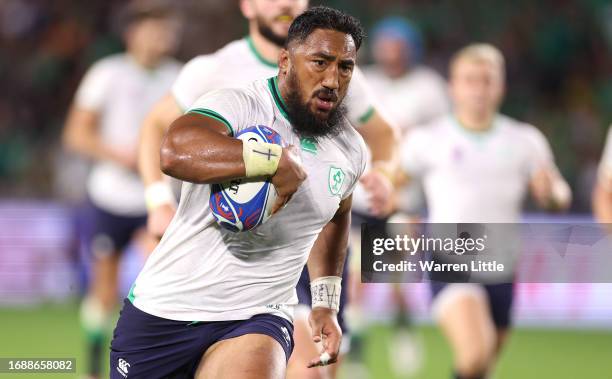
{"type": "Point", "coordinates": [266, 31]}
{"type": "Point", "coordinates": [304, 121]}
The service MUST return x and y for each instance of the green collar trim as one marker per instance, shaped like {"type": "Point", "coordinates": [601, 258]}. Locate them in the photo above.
{"type": "Point", "coordinates": [258, 55]}
{"type": "Point", "coordinates": [478, 135]}
{"type": "Point", "coordinates": [280, 103]}
{"type": "Point", "coordinates": [212, 114]}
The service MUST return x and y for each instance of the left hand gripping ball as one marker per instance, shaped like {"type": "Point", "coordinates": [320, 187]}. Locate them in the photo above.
{"type": "Point", "coordinates": [242, 204]}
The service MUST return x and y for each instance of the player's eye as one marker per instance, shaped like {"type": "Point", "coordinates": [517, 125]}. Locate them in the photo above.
{"type": "Point", "coordinates": [346, 69]}
{"type": "Point", "coordinates": [319, 62]}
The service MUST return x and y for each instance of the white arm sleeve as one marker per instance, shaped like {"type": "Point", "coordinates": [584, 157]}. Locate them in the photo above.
{"type": "Point", "coordinates": [413, 150]}
{"type": "Point", "coordinates": [94, 88]}
{"type": "Point", "coordinates": [193, 80]}
{"type": "Point", "coordinates": [359, 102]}
{"type": "Point", "coordinates": [360, 167]}
{"type": "Point", "coordinates": [232, 107]}
{"type": "Point", "coordinates": [541, 155]}
{"type": "Point", "coordinates": [437, 100]}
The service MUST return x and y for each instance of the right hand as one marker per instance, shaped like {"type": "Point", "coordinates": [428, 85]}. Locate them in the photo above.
{"type": "Point", "coordinates": [288, 177]}
{"type": "Point", "coordinates": [159, 219]}
{"type": "Point", "coordinates": [380, 191]}
{"type": "Point", "coordinates": [325, 329]}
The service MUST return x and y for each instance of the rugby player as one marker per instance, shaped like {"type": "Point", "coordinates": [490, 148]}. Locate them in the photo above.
{"type": "Point", "coordinates": [239, 63]}
{"type": "Point", "coordinates": [411, 94]}
{"type": "Point", "coordinates": [476, 166]}
{"type": "Point", "coordinates": [103, 125]}
{"type": "Point", "coordinates": [214, 303]}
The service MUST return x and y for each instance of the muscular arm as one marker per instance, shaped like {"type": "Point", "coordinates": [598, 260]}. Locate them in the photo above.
{"type": "Point", "coordinates": [81, 136]}
{"type": "Point", "coordinates": [329, 251]}
{"type": "Point", "coordinates": [151, 135]}
{"type": "Point", "coordinates": [198, 149]}
{"type": "Point", "coordinates": [382, 138]}
{"type": "Point", "coordinates": [327, 259]}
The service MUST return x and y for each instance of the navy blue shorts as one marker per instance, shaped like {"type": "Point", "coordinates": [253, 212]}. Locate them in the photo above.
{"type": "Point", "coordinates": [111, 233]}
{"type": "Point", "coordinates": [500, 297]}
{"type": "Point", "coordinates": [146, 346]}
{"type": "Point", "coordinates": [304, 296]}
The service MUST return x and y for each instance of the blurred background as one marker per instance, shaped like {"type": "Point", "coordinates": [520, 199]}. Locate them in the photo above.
{"type": "Point", "coordinates": [559, 78]}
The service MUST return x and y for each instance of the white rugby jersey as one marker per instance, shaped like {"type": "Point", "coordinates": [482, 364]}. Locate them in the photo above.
{"type": "Point", "coordinates": [605, 166]}
{"type": "Point", "coordinates": [412, 100]}
{"type": "Point", "coordinates": [122, 92]}
{"type": "Point", "coordinates": [202, 272]}
{"type": "Point", "coordinates": [239, 63]}
{"type": "Point", "coordinates": [473, 176]}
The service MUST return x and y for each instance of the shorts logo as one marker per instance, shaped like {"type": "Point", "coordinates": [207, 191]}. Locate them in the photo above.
{"type": "Point", "coordinates": [336, 178]}
{"type": "Point", "coordinates": [122, 367]}
{"type": "Point", "coordinates": [286, 335]}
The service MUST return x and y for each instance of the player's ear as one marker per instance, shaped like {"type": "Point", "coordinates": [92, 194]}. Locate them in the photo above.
{"type": "Point", "coordinates": [246, 7]}
{"type": "Point", "coordinates": [283, 61]}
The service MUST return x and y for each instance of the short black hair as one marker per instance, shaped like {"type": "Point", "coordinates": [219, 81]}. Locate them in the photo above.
{"type": "Point", "coordinates": [321, 17]}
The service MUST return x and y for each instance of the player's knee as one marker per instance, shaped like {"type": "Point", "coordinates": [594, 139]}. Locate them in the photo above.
{"type": "Point", "coordinates": [475, 361]}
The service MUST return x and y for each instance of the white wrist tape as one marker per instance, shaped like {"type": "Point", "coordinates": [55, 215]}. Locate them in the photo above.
{"type": "Point", "coordinates": [159, 193]}
{"type": "Point", "coordinates": [260, 159]}
{"type": "Point", "coordinates": [324, 358]}
{"type": "Point", "coordinates": [325, 292]}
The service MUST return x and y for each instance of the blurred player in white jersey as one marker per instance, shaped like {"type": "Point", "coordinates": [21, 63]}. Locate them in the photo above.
{"type": "Point", "coordinates": [218, 304]}
{"type": "Point", "coordinates": [237, 64]}
{"type": "Point", "coordinates": [602, 197]}
{"type": "Point", "coordinates": [103, 125]}
{"type": "Point", "coordinates": [477, 165]}
{"type": "Point", "coordinates": [411, 93]}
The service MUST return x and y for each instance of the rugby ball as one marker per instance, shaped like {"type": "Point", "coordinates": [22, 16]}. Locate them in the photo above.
{"type": "Point", "coordinates": [243, 204]}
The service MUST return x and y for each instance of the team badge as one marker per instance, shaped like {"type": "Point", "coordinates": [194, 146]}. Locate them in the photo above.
{"type": "Point", "coordinates": [336, 178]}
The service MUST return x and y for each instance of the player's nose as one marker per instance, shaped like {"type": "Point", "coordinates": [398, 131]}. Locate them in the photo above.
{"type": "Point", "coordinates": [286, 5]}
{"type": "Point", "coordinates": [330, 78]}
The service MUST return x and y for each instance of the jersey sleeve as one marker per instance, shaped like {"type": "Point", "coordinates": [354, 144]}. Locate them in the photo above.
{"type": "Point", "coordinates": [436, 98]}
{"type": "Point", "coordinates": [232, 107]}
{"type": "Point", "coordinates": [414, 152]}
{"type": "Point", "coordinates": [93, 91]}
{"type": "Point", "coordinates": [540, 153]}
{"type": "Point", "coordinates": [361, 164]}
{"type": "Point", "coordinates": [605, 165]}
{"type": "Point", "coordinates": [193, 80]}
{"type": "Point", "coordinates": [359, 101]}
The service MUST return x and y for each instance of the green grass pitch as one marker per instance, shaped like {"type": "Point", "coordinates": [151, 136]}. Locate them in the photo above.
{"type": "Point", "coordinates": [53, 331]}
